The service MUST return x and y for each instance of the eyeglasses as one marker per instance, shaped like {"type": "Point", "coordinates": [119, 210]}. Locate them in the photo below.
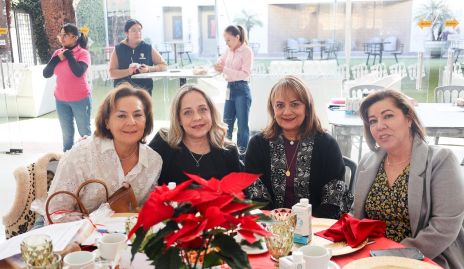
{"type": "Point", "coordinates": [135, 30]}
{"type": "Point", "coordinates": [61, 35]}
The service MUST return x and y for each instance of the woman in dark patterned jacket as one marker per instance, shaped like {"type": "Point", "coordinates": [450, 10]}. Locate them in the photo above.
{"type": "Point", "coordinates": [296, 157]}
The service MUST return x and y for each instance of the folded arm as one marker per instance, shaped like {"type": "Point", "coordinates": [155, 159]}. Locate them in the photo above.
{"type": "Point", "coordinates": [77, 67]}
{"type": "Point", "coordinates": [50, 67]}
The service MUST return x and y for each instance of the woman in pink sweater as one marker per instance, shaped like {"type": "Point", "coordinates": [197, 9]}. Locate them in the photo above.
{"type": "Point", "coordinates": [235, 64]}
{"type": "Point", "coordinates": [72, 91]}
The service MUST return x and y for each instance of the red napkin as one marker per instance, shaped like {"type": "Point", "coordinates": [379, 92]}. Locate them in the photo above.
{"type": "Point", "coordinates": [352, 230]}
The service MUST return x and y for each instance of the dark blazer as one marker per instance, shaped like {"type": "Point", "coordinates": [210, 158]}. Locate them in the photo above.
{"type": "Point", "coordinates": [435, 201]}
{"type": "Point", "coordinates": [320, 173]}
{"type": "Point", "coordinates": [217, 163]}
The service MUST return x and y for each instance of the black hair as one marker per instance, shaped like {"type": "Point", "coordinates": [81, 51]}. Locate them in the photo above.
{"type": "Point", "coordinates": [130, 23]}
{"type": "Point", "coordinates": [237, 31]}
{"type": "Point", "coordinates": [70, 28]}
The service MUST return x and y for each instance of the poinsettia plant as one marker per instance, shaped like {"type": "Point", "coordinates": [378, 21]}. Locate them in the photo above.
{"type": "Point", "coordinates": [201, 217]}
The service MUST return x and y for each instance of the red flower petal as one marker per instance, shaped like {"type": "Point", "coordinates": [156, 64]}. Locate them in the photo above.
{"type": "Point", "coordinates": [220, 202]}
{"type": "Point", "coordinates": [147, 217]}
{"type": "Point", "coordinates": [248, 236]}
{"type": "Point", "coordinates": [236, 182]}
{"type": "Point", "coordinates": [235, 207]}
{"type": "Point", "coordinates": [193, 233]}
{"type": "Point", "coordinates": [214, 217]}
{"type": "Point", "coordinates": [186, 229]}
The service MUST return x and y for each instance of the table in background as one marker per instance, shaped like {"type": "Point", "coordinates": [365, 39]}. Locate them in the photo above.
{"type": "Point", "coordinates": [440, 120]}
{"type": "Point", "coordinates": [181, 74]}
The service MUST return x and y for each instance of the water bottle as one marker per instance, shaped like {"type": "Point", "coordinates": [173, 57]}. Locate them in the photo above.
{"type": "Point", "coordinates": [302, 210]}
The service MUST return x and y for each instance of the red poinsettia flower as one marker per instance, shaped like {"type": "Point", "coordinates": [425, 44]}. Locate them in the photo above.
{"type": "Point", "coordinates": [249, 227]}
{"type": "Point", "coordinates": [233, 183]}
{"type": "Point", "coordinates": [157, 202]}
{"type": "Point", "coordinates": [205, 215]}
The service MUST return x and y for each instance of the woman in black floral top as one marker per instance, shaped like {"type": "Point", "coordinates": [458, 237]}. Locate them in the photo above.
{"type": "Point", "coordinates": [295, 157]}
{"type": "Point", "coordinates": [416, 188]}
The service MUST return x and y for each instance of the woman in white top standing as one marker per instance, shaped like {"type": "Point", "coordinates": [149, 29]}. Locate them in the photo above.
{"type": "Point", "coordinates": [236, 64]}
{"type": "Point", "coordinates": [116, 154]}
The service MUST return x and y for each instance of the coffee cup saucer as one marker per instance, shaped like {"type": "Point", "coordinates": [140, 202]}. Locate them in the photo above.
{"type": "Point", "coordinates": [333, 265]}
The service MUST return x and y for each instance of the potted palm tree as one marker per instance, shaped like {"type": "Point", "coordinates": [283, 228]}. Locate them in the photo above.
{"type": "Point", "coordinates": [437, 12]}
{"type": "Point", "coordinates": [249, 20]}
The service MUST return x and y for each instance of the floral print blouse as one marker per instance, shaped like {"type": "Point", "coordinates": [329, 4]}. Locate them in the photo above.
{"type": "Point", "coordinates": [390, 204]}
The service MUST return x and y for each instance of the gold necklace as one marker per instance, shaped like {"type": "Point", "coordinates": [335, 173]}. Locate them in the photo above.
{"type": "Point", "coordinates": [398, 163]}
{"type": "Point", "coordinates": [130, 155]}
{"type": "Point", "coordinates": [287, 173]}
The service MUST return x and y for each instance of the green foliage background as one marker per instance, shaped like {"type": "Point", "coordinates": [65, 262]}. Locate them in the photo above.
{"type": "Point", "coordinates": [90, 13]}
{"type": "Point", "coordinates": [39, 37]}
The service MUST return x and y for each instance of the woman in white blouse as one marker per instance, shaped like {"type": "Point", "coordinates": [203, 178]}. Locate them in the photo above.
{"type": "Point", "coordinates": [116, 153]}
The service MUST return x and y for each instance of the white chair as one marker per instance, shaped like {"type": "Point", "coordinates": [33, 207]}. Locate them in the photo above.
{"type": "Point", "coordinates": [291, 49]}
{"type": "Point", "coordinates": [391, 45]}
{"type": "Point", "coordinates": [380, 69]}
{"type": "Point", "coordinates": [359, 71]}
{"type": "Point", "coordinates": [399, 69]}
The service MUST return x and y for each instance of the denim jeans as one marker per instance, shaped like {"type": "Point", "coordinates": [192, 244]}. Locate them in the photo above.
{"type": "Point", "coordinates": [67, 112]}
{"type": "Point", "coordinates": [238, 107]}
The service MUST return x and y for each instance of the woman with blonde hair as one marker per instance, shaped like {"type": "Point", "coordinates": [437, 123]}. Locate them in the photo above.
{"type": "Point", "coordinates": [295, 156]}
{"type": "Point", "coordinates": [196, 141]}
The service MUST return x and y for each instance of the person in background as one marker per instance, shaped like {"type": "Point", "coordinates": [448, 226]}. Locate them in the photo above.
{"type": "Point", "coordinates": [236, 64]}
{"type": "Point", "coordinates": [196, 141]}
{"type": "Point", "coordinates": [72, 91]}
{"type": "Point", "coordinates": [133, 56]}
{"type": "Point", "coordinates": [116, 153]}
{"type": "Point", "coordinates": [296, 157]}
{"type": "Point", "coordinates": [417, 189]}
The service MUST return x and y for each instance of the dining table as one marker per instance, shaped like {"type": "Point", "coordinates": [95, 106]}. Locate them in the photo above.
{"type": "Point", "coordinates": [342, 254]}
{"type": "Point", "coordinates": [181, 74]}
{"type": "Point", "coordinates": [439, 120]}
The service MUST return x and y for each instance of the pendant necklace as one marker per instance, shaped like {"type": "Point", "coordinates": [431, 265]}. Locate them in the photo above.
{"type": "Point", "coordinates": [129, 156]}
{"type": "Point", "coordinates": [197, 162]}
{"type": "Point", "coordinates": [287, 173]}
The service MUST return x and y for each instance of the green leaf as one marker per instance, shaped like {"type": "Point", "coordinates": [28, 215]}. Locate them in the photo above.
{"type": "Point", "coordinates": [211, 259]}
{"type": "Point", "coordinates": [136, 244]}
{"type": "Point", "coordinates": [169, 260]}
{"type": "Point", "coordinates": [155, 246]}
{"type": "Point", "coordinates": [231, 252]}
{"type": "Point", "coordinates": [257, 244]}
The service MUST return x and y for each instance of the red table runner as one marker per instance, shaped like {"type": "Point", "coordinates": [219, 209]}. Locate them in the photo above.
{"type": "Point", "coordinates": [264, 261]}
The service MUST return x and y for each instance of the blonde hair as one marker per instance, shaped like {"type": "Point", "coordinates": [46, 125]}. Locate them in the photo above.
{"type": "Point", "coordinates": [311, 124]}
{"type": "Point", "coordinates": [175, 134]}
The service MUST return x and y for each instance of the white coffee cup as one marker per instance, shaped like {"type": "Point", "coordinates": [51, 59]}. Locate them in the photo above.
{"type": "Point", "coordinates": [79, 260]}
{"type": "Point", "coordinates": [316, 257]}
{"type": "Point", "coordinates": [111, 245]}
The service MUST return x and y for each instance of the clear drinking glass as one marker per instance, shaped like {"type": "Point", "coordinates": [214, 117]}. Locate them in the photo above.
{"type": "Point", "coordinates": [37, 250]}
{"type": "Point", "coordinates": [280, 242]}
{"type": "Point", "coordinates": [285, 215]}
